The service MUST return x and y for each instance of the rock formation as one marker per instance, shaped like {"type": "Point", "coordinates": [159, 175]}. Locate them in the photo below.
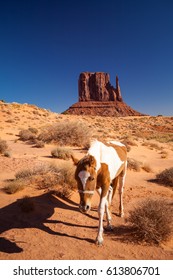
{"type": "Point", "coordinates": [97, 87]}
{"type": "Point", "coordinates": [98, 97]}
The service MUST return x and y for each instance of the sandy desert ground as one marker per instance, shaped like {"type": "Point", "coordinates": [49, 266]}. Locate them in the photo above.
{"type": "Point", "coordinates": [55, 229]}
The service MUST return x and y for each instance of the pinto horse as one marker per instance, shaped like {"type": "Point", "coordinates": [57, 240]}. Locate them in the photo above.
{"type": "Point", "coordinates": [101, 169]}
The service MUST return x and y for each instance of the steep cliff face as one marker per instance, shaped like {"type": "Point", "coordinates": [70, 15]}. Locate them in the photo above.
{"type": "Point", "coordinates": [97, 87]}
{"type": "Point", "coordinates": [97, 97]}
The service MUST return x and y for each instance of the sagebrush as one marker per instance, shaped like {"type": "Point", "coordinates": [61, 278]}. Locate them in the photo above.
{"type": "Point", "coordinates": [166, 177]}
{"type": "Point", "coordinates": [67, 133]}
{"type": "Point", "coordinates": [3, 146]}
{"type": "Point", "coordinates": [61, 153]}
{"type": "Point", "coordinates": [152, 220]}
{"type": "Point", "coordinates": [14, 186]}
{"type": "Point", "coordinates": [45, 176]}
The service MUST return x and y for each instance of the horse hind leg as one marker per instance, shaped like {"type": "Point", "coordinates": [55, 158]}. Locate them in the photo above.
{"type": "Point", "coordinates": [121, 189]}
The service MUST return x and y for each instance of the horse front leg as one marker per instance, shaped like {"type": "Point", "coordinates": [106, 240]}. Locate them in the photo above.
{"type": "Point", "coordinates": [108, 208]}
{"type": "Point", "coordinates": [101, 210]}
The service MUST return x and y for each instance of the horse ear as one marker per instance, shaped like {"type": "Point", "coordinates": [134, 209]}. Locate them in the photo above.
{"type": "Point", "coordinates": [75, 160]}
{"type": "Point", "coordinates": [92, 161]}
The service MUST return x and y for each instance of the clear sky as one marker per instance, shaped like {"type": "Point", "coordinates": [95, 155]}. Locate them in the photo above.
{"type": "Point", "coordinates": [46, 44]}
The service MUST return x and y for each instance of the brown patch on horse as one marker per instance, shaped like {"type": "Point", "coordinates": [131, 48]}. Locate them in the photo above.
{"type": "Point", "coordinates": [86, 163]}
{"type": "Point", "coordinates": [103, 178]}
{"type": "Point", "coordinates": [121, 150]}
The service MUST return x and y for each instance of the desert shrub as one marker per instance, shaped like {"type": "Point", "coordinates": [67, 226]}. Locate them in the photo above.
{"type": "Point", "coordinates": [152, 145]}
{"type": "Point", "coordinates": [128, 141]}
{"type": "Point", "coordinates": [24, 173]}
{"type": "Point", "coordinates": [39, 169]}
{"type": "Point", "coordinates": [162, 137]}
{"type": "Point", "coordinates": [166, 177]}
{"type": "Point", "coordinates": [152, 220]}
{"type": "Point", "coordinates": [38, 143]}
{"type": "Point", "coordinates": [33, 130]}
{"type": "Point", "coordinates": [66, 182]}
{"type": "Point", "coordinates": [72, 133]}
{"type": "Point", "coordinates": [14, 187]}
{"type": "Point", "coordinates": [146, 167]}
{"type": "Point", "coordinates": [3, 146]}
{"type": "Point", "coordinates": [26, 135]}
{"type": "Point", "coordinates": [61, 153]}
{"type": "Point", "coordinates": [164, 154]}
{"type": "Point", "coordinates": [49, 177]}
{"type": "Point", "coordinates": [7, 154]}
{"type": "Point", "coordinates": [134, 164]}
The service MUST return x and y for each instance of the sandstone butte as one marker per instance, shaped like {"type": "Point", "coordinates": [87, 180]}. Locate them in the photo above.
{"type": "Point", "coordinates": [97, 97]}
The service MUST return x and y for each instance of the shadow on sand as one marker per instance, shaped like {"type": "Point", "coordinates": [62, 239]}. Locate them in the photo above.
{"type": "Point", "coordinates": [12, 216]}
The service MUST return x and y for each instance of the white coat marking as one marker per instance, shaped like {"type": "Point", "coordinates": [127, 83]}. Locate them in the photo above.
{"type": "Point", "coordinates": [84, 175]}
{"type": "Point", "coordinates": [116, 143]}
{"type": "Point", "coordinates": [108, 155]}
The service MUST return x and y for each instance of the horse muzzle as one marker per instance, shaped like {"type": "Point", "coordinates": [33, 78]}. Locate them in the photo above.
{"type": "Point", "coordinates": [84, 208]}
{"type": "Point", "coordinates": [85, 201]}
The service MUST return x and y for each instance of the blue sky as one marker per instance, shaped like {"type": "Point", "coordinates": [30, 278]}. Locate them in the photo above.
{"type": "Point", "coordinates": [46, 44]}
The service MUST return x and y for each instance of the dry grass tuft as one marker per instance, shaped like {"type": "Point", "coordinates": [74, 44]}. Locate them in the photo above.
{"type": "Point", "coordinates": [133, 164]}
{"type": "Point", "coordinates": [164, 154]}
{"type": "Point", "coordinates": [136, 165]}
{"type": "Point", "coordinates": [66, 181]}
{"type": "Point", "coordinates": [7, 154]}
{"type": "Point", "coordinates": [68, 133]}
{"type": "Point", "coordinates": [146, 167]}
{"type": "Point", "coordinates": [61, 153]}
{"type": "Point", "coordinates": [166, 177]}
{"type": "Point", "coordinates": [129, 141]}
{"type": "Point", "coordinates": [3, 146]}
{"type": "Point", "coordinates": [14, 186]}
{"type": "Point", "coordinates": [162, 137]}
{"type": "Point", "coordinates": [27, 135]}
{"type": "Point", "coordinates": [45, 176]}
{"type": "Point", "coordinates": [38, 144]}
{"type": "Point", "coordinates": [151, 145]}
{"type": "Point", "coordinates": [152, 221]}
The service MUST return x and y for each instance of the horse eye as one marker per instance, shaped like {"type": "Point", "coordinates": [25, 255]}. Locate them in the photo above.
{"type": "Point", "coordinates": [91, 178]}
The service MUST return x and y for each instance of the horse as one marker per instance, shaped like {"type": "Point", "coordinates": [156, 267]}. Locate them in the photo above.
{"type": "Point", "coordinates": [101, 169]}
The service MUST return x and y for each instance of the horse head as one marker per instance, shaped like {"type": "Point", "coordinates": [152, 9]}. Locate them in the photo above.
{"type": "Point", "coordinates": [86, 177]}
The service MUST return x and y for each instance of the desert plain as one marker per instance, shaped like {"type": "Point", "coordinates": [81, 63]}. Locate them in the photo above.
{"type": "Point", "coordinates": [53, 228]}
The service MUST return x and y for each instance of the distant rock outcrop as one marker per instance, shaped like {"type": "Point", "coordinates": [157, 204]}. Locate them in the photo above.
{"type": "Point", "coordinates": [98, 97]}
{"type": "Point", "coordinates": [97, 87]}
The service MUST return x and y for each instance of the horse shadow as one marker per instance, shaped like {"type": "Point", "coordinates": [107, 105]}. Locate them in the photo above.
{"type": "Point", "coordinates": [35, 212]}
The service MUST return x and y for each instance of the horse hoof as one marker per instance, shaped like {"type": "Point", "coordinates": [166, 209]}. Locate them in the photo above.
{"type": "Point", "coordinates": [108, 228]}
{"type": "Point", "coordinates": [99, 243]}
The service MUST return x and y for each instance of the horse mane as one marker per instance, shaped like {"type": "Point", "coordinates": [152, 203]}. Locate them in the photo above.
{"type": "Point", "coordinates": [95, 151]}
